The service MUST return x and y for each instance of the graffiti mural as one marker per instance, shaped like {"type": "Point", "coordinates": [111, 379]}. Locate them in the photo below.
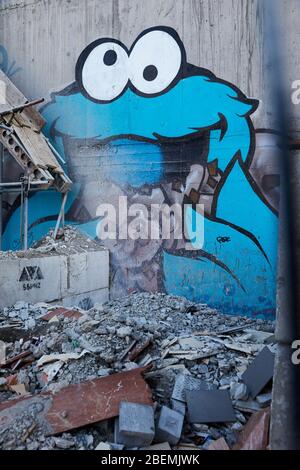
{"type": "Point", "coordinates": [146, 124]}
{"type": "Point", "coordinates": [9, 68]}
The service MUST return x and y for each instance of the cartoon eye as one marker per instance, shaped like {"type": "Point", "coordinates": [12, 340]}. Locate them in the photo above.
{"type": "Point", "coordinates": [104, 74]}
{"type": "Point", "coordinates": [154, 62]}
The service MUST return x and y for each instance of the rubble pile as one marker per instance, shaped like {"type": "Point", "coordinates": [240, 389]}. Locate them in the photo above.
{"type": "Point", "coordinates": [68, 241]}
{"type": "Point", "coordinates": [174, 374]}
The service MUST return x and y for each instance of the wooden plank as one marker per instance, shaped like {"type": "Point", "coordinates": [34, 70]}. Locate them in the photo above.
{"type": "Point", "coordinates": [35, 145]}
{"type": "Point", "coordinates": [80, 404]}
{"type": "Point", "coordinates": [12, 96]}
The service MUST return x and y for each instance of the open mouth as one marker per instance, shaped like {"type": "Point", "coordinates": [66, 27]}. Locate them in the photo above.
{"type": "Point", "coordinates": [132, 161]}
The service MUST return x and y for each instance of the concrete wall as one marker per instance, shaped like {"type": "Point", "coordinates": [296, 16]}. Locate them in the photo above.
{"type": "Point", "coordinates": [231, 170]}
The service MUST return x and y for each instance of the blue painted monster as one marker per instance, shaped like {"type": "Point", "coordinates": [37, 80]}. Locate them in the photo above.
{"type": "Point", "coordinates": [144, 120]}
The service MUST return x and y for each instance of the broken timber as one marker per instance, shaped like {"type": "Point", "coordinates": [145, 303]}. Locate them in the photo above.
{"type": "Point", "coordinates": [21, 135]}
{"type": "Point", "coordinates": [82, 404]}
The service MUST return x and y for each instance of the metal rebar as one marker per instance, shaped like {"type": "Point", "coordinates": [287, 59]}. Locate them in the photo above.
{"type": "Point", "coordinates": [21, 215]}
{"type": "Point", "coordinates": [25, 238]}
{"type": "Point", "coordinates": [61, 215]}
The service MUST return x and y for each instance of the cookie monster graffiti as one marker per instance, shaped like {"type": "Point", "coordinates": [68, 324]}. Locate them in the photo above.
{"type": "Point", "coordinates": [146, 124]}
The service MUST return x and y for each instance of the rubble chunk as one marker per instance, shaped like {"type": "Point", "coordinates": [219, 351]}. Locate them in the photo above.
{"type": "Point", "coordinates": [103, 446]}
{"type": "Point", "coordinates": [178, 406]}
{"type": "Point", "coordinates": [169, 426]}
{"type": "Point", "coordinates": [124, 331]}
{"type": "Point", "coordinates": [136, 425]}
{"type": "Point", "coordinates": [239, 391]}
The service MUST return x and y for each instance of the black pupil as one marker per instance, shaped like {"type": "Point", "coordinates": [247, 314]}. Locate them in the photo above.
{"type": "Point", "coordinates": [150, 73]}
{"type": "Point", "coordinates": [110, 57]}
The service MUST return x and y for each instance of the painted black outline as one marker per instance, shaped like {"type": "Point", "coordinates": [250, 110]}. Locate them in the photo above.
{"type": "Point", "coordinates": [186, 70]}
{"type": "Point", "coordinates": [198, 255]}
{"type": "Point", "coordinates": [86, 52]}
{"type": "Point", "coordinates": [213, 217]}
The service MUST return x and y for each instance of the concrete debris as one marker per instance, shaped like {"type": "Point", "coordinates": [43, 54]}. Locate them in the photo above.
{"type": "Point", "coordinates": [72, 241]}
{"type": "Point", "coordinates": [52, 356]}
{"type": "Point", "coordinates": [169, 426]}
{"type": "Point", "coordinates": [60, 357]}
{"type": "Point", "coordinates": [186, 383]}
{"type": "Point", "coordinates": [178, 406]}
{"type": "Point", "coordinates": [103, 446]}
{"type": "Point", "coordinates": [135, 425]}
{"type": "Point", "coordinates": [79, 405]}
{"type": "Point", "coordinates": [239, 391]}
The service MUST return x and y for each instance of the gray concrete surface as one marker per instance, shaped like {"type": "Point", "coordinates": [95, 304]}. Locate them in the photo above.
{"type": "Point", "coordinates": [74, 280]}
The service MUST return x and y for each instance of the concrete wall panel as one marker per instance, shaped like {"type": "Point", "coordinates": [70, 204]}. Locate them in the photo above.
{"type": "Point", "coordinates": [233, 174]}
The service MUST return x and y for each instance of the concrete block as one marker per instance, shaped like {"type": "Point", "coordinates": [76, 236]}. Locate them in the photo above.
{"type": "Point", "coordinates": [79, 280]}
{"type": "Point", "coordinates": [185, 383]}
{"type": "Point", "coordinates": [178, 406]}
{"type": "Point", "coordinates": [87, 300]}
{"type": "Point", "coordinates": [32, 279]}
{"type": "Point", "coordinates": [169, 426]}
{"type": "Point", "coordinates": [88, 271]}
{"type": "Point", "coordinates": [136, 425]}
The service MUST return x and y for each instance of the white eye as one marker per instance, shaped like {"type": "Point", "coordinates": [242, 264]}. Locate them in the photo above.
{"type": "Point", "coordinates": [104, 73]}
{"type": "Point", "coordinates": [154, 62]}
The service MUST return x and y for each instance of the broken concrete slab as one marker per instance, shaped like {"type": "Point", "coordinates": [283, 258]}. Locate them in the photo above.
{"type": "Point", "coordinates": [255, 435]}
{"type": "Point", "coordinates": [81, 404]}
{"type": "Point", "coordinates": [260, 372]}
{"type": "Point", "coordinates": [169, 426]}
{"type": "Point", "coordinates": [210, 406]}
{"type": "Point", "coordinates": [260, 336]}
{"type": "Point", "coordinates": [185, 383]}
{"type": "Point", "coordinates": [135, 425]}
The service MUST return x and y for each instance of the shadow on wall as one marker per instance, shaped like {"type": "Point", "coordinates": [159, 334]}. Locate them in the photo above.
{"type": "Point", "coordinates": [155, 129]}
